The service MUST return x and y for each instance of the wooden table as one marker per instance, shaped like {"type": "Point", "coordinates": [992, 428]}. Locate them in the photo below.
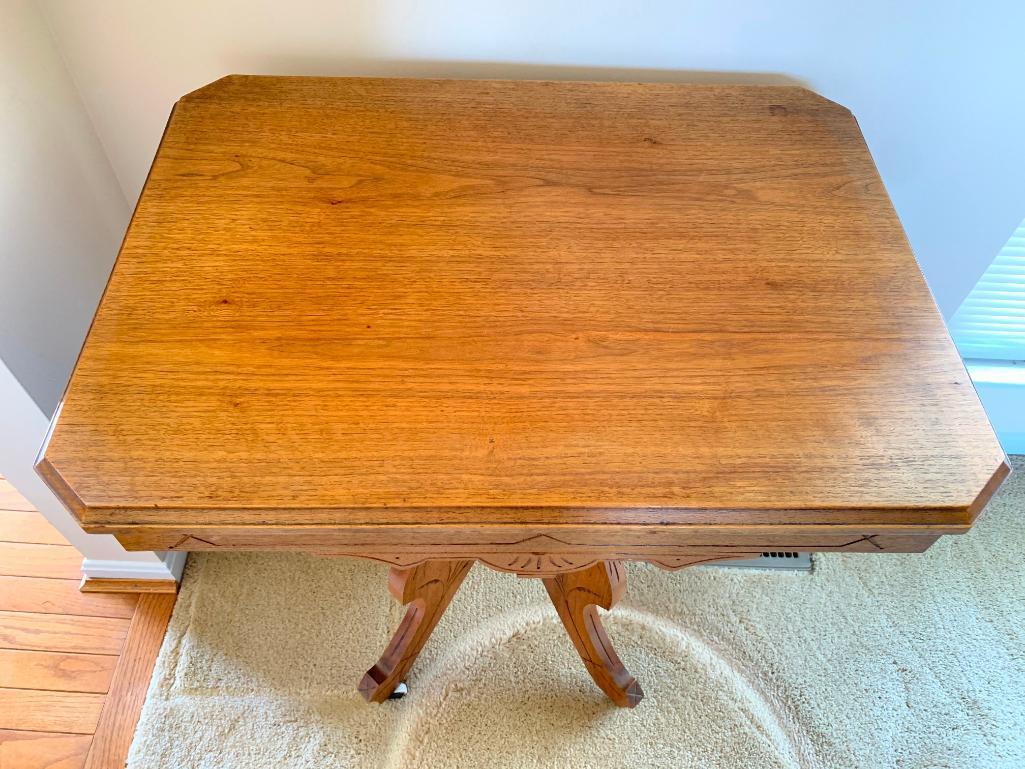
{"type": "Point", "coordinates": [550, 327]}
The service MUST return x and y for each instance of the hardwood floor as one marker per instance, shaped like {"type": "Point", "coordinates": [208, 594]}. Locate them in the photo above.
{"type": "Point", "coordinates": [74, 667]}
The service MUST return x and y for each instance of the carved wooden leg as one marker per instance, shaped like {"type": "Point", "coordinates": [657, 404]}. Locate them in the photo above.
{"type": "Point", "coordinates": [575, 596]}
{"type": "Point", "coordinates": [428, 589]}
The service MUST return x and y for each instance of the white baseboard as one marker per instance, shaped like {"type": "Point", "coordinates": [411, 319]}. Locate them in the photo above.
{"type": "Point", "coordinates": [175, 563]}
{"type": "Point", "coordinates": [169, 567]}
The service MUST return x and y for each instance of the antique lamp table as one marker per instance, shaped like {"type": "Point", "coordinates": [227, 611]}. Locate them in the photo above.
{"type": "Point", "coordinates": [546, 326]}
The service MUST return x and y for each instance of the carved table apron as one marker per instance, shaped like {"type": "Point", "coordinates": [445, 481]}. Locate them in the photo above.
{"type": "Point", "coordinates": [550, 327]}
{"type": "Point", "coordinates": [579, 573]}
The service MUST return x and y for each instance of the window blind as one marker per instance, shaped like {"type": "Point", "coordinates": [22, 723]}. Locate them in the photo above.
{"type": "Point", "coordinates": [990, 323]}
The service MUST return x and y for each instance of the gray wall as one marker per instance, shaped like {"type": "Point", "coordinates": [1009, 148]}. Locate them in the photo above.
{"type": "Point", "coordinates": [63, 213]}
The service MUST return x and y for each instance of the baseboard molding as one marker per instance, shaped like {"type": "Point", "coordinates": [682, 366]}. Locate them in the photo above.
{"type": "Point", "coordinates": [104, 585]}
{"type": "Point", "coordinates": [167, 569]}
{"type": "Point", "coordinates": [175, 563]}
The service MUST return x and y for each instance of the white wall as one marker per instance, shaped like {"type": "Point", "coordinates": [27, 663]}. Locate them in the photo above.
{"type": "Point", "coordinates": [62, 208]}
{"type": "Point", "coordinates": [936, 85]}
{"type": "Point", "coordinates": [63, 216]}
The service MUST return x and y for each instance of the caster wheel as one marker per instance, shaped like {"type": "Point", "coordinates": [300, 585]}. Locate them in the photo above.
{"type": "Point", "coordinates": [400, 691]}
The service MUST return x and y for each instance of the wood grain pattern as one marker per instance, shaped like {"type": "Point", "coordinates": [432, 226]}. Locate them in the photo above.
{"type": "Point", "coordinates": [53, 632]}
{"type": "Point", "coordinates": [123, 705]}
{"type": "Point", "coordinates": [537, 551]}
{"type": "Point", "coordinates": [60, 596]}
{"type": "Point", "coordinates": [57, 561]}
{"type": "Point", "coordinates": [42, 750]}
{"type": "Point", "coordinates": [428, 589]}
{"type": "Point", "coordinates": [341, 298]}
{"type": "Point", "coordinates": [20, 669]}
{"type": "Point", "coordinates": [71, 712]}
{"type": "Point", "coordinates": [543, 325]}
{"type": "Point", "coordinates": [58, 654]}
{"type": "Point", "coordinates": [131, 586]}
{"type": "Point", "coordinates": [11, 498]}
{"type": "Point", "coordinates": [29, 527]}
{"type": "Point", "coordinates": [575, 597]}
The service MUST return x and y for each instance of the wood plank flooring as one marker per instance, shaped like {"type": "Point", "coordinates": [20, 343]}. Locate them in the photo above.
{"type": "Point", "coordinates": [18, 559]}
{"type": "Point", "coordinates": [74, 667]}
{"type": "Point", "coordinates": [61, 596]}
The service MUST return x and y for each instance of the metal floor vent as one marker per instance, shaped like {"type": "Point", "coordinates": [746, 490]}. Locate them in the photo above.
{"type": "Point", "coordinates": [788, 560]}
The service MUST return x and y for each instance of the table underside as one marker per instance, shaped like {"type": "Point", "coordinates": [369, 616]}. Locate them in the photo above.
{"type": "Point", "coordinates": [581, 567]}
{"type": "Point", "coordinates": [577, 581]}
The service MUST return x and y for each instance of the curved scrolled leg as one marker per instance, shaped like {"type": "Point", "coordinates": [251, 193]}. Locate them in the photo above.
{"type": "Point", "coordinates": [575, 595]}
{"type": "Point", "coordinates": [428, 589]}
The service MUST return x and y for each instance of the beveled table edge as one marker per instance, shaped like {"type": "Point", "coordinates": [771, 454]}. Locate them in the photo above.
{"type": "Point", "coordinates": [105, 519]}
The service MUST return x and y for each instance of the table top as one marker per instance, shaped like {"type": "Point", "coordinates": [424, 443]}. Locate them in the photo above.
{"type": "Point", "coordinates": [372, 301]}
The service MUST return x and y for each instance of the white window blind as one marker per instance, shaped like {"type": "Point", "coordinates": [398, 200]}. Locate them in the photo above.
{"type": "Point", "coordinates": [990, 323]}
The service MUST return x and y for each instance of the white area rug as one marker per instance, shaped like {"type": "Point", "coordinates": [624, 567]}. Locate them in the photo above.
{"type": "Point", "coordinates": [911, 661]}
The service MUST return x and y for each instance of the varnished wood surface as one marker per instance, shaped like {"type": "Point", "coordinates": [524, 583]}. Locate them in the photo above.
{"type": "Point", "coordinates": [11, 500]}
{"type": "Point", "coordinates": [31, 560]}
{"type": "Point", "coordinates": [355, 301]}
{"type": "Point", "coordinates": [30, 527]}
{"type": "Point", "coordinates": [67, 659]}
{"type": "Point", "coordinates": [42, 750]}
{"type": "Point", "coordinates": [60, 596]}
{"type": "Point", "coordinates": [535, 551]}
{"type": "Point", "coordinates": [130, 586]}
{"type": "Point", "coordinates": [52, 632]}
{"type": "Point", "coordinates": [123, 705]}
{"type": "Point", "coordinates": [428, 589]}
{"type": "Point", "coordinates": [576, 597]}
{"type": "Point", "coordinates": [53, 671]}
{"type": "Point", "coordinates": [40, 710]}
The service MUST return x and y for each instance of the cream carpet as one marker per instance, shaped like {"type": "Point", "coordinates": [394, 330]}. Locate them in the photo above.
{"type": "Point", "coordinates": [911, 661]}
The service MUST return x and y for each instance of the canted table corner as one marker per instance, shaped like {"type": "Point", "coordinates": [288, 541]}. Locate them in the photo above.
{"type": "Point", "coordinates": [550, 327]}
